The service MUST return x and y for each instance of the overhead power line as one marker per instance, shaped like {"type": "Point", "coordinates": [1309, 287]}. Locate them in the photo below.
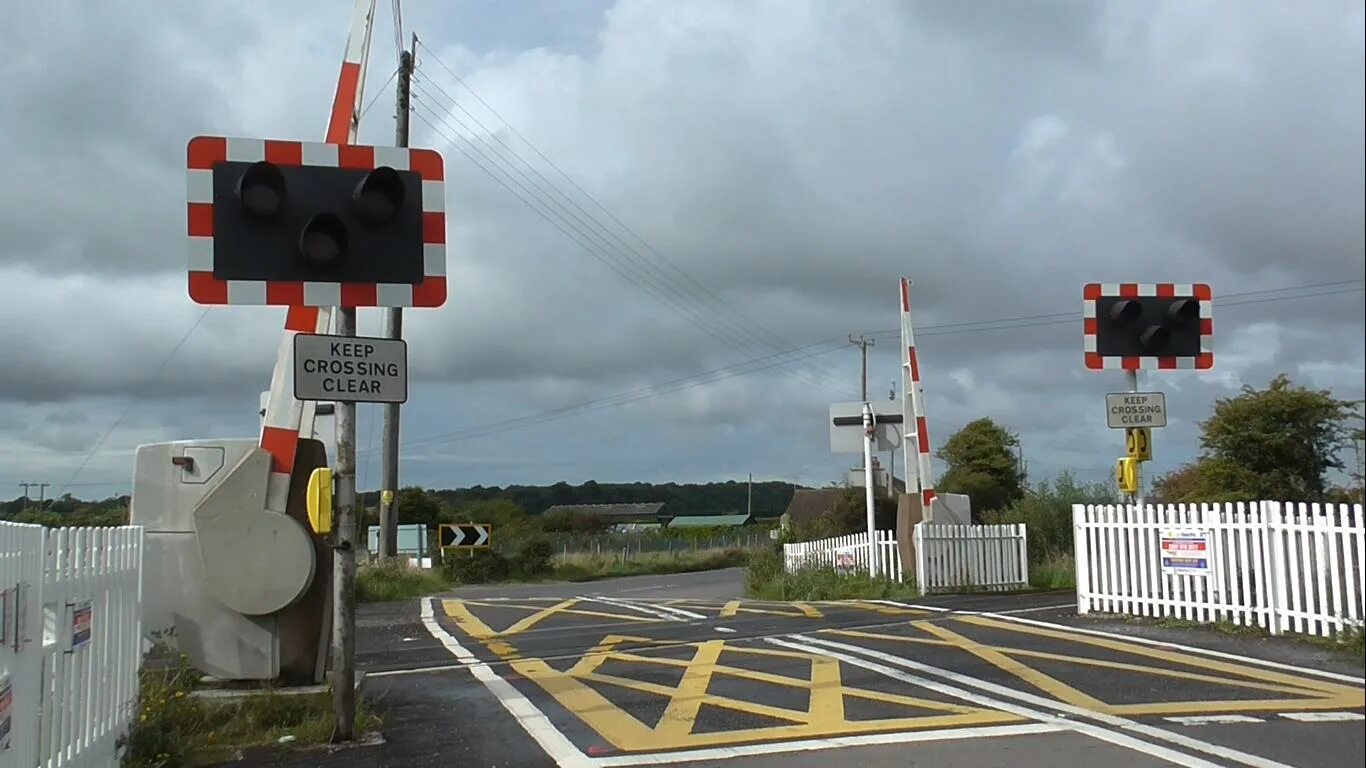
{"type": "Point", "coordinates": [812, 350]}
{"type": "Point", "coordinates": [667, 283]}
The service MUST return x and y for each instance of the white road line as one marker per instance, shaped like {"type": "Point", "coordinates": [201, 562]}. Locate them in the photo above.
{"type": "Point", "coordinates": [722, 753]}
{"type": "Point", "coordinates": [725, 629]}
{"type": "Point", "coordinates": [900, 604]}
{"type": "Point", "coordinates": [1046, 705]}
{"type": "Point", "coordinates": [982, 700]}
{"type": "Point", "coordinates": [416, 671]}
{"type": "Point", "coordinates": [1025, 610]}
{"type": "Point", "coordinates": [532, 720]}
{"type": "Point", "coordinates": [1212, 719]}
{"type": "Point", "coordinates": [1187, 648]}
{"type": "Point", "coordinates": [1323, 717]}
{"type": "Point", "coordinates": [666, 612]}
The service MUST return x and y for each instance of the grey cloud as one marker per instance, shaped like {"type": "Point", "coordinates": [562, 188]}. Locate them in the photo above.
{"type": "Point", "coordinates": [794, 162]}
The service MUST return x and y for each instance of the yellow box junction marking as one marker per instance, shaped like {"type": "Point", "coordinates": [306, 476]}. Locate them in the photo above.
{"type": "Point", "coordinates": [459, 610]}
{"type": "Point", "coordinates": [824, 715]}
{"type": "Point", "coordinates": [1308, 693]}
{"type": "Point", "coordinates": [774, 609]}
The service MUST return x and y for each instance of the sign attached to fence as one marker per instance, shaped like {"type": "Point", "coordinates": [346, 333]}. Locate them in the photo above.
{"type": "Point", "coordinates": [1185, 551]}
{"type": "Point", "coordinates": [82, 615]}
{"type": "Point", "coordinates": [1135, 409]}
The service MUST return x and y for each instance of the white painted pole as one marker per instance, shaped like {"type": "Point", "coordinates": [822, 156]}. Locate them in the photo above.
{"type": "Point", "coordinates": [868, 430]}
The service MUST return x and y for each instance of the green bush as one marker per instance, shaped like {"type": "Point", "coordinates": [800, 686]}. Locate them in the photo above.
{"type": "Point", "coordinates": [475, 566]}
{"type": "Point", "coordinates": [532, 558]}
{"type": "Point", "coordinates": [1047, 511]}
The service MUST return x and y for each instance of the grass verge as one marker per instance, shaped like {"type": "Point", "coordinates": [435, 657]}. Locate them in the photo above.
{"type": "Point", "coordinates": [1056, 572]}
{"type": "Point", "coordinates": [396, 580]}
{"type": "Point", "coordinates": [591, 567]}
{"type": "Point", "coordinates": [175, 729]}
{"type": "Point", "coordinates": [1351, 642]}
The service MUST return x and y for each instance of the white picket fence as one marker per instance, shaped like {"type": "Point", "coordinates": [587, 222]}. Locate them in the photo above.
{"type": "Point", "coordinates": [72, 642]}
{"type": "Point", "coordinates": [990, 557]}
{"type": "Point", "coordinates": [1282, 566]}
{"type": "Point", "coordinates": [846, 554]}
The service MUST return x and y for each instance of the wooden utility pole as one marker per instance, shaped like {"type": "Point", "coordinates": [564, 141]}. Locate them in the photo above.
{"type": "Point", "coordinates": [344, 560]}
{"type": "Point", "coordinates": [388, 497]}
{"type": "Point", "coordinates": [863, 344]}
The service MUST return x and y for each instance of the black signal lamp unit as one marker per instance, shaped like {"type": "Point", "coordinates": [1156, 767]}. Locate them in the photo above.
{"type": "Point", "coordinates": [323, 241]}
{"type": "Point", "coordinates": [300, 223]}
{"type": "Point", "coordinates": [261, 190]}
{"type": "Point", "coordinates": [379, 196]}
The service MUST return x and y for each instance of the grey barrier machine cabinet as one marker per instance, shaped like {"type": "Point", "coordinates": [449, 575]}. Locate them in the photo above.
{"type": "Point", "coordinates": [242, 591]}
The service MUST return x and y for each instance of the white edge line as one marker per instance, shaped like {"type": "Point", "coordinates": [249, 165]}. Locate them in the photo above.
{"type": "Point", "coordinates": [722, 753]}
{"type": "Point", "coordinates": [1113, 736]}
{"type": "Point", "coordinates": [1026, 610]}
{"type": "Point", "coordinates": [1188, 648]}
{"type": "Point", "coordinates": [416, 670]}
{"type": "Point", "coordinates": [899, 604]}
{"type": "Point", "coordinates": [1212, 719]}
{"type": "Point", "coordinates": [1323, 717]}
{"type": "Point", "coordinates": [532, 720]}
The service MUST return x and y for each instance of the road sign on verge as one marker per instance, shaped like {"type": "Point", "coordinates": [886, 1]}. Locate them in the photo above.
{"type": "Point", "coordinates": [464, 534]}
{"type": "Point", "coordinates": [1139, 442]}
{"type": "Point", "coordinates": [846, 427]}
{"type": "Point", "coordinates": [1135, 409]}
{"type": "Point", "coordinates": [357, 369]}
{"type": "Point", "coordinates": [1185, 551]}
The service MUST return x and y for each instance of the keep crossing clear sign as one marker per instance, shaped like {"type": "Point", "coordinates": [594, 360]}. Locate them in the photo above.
{"type": "Point", "coordinates": [354, 369]}
{"type": "Point", "coordinates": [1135, 409]}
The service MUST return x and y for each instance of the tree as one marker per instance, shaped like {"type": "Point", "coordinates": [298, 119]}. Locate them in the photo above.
{"type": "Point", "coordinates": [983, 464]}
{"type": "Point", "coordinates": [1273, 443]}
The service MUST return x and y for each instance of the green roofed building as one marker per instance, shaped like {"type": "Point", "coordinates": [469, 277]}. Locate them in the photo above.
{"type": "Point", "coordinates": [709, 521]}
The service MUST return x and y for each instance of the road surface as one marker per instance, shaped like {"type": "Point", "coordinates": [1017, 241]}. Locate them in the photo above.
{"type": "Point", "coordinates": [680, 670]}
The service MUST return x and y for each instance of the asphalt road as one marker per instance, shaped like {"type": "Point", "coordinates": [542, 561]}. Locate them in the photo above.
{"type": "Point", "coordinates": [680, 670]}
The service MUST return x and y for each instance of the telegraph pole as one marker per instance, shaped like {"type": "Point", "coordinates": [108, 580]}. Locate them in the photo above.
{"type": "Point", "coordinates": [388, 497]}
{"type": "Point", "coordinates": [863, 344]}
{"type": "Point", "coordinates": [344, 559]}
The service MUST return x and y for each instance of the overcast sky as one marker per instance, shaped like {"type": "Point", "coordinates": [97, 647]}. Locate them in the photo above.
{"type": "Point", "coordinates": [760, 174]}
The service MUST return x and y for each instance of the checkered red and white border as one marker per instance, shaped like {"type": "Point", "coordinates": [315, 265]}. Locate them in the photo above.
{"type": "Point", "coordinates": [1200, 291]}
{"type": "Point", "coordinates": [202, 152]}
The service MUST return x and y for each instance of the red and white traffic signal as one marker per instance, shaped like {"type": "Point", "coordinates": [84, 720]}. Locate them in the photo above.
{"type": "Point", "coordinates": [315, 224]}
{"type": "Point", "coordinates": [1163, 326]}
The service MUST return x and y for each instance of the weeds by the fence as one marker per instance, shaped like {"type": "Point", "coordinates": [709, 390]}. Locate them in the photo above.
{"type": "Point", "coordinates": [1055, 572]}
{"type": "Point", "coordinates": [767, 579]}
{"type": "Point", "coordinates": [396, 580]}
{"type": "Point", "coordinates": [174, 728]}
{"type": "Point", "coordinates": [1351, 641]}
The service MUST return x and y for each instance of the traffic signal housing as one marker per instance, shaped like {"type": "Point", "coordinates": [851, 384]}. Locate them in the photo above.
{"type": "Point", "coordinates": [315, 224]}
{"type": "Point", "coordinates": [1163, 326]}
